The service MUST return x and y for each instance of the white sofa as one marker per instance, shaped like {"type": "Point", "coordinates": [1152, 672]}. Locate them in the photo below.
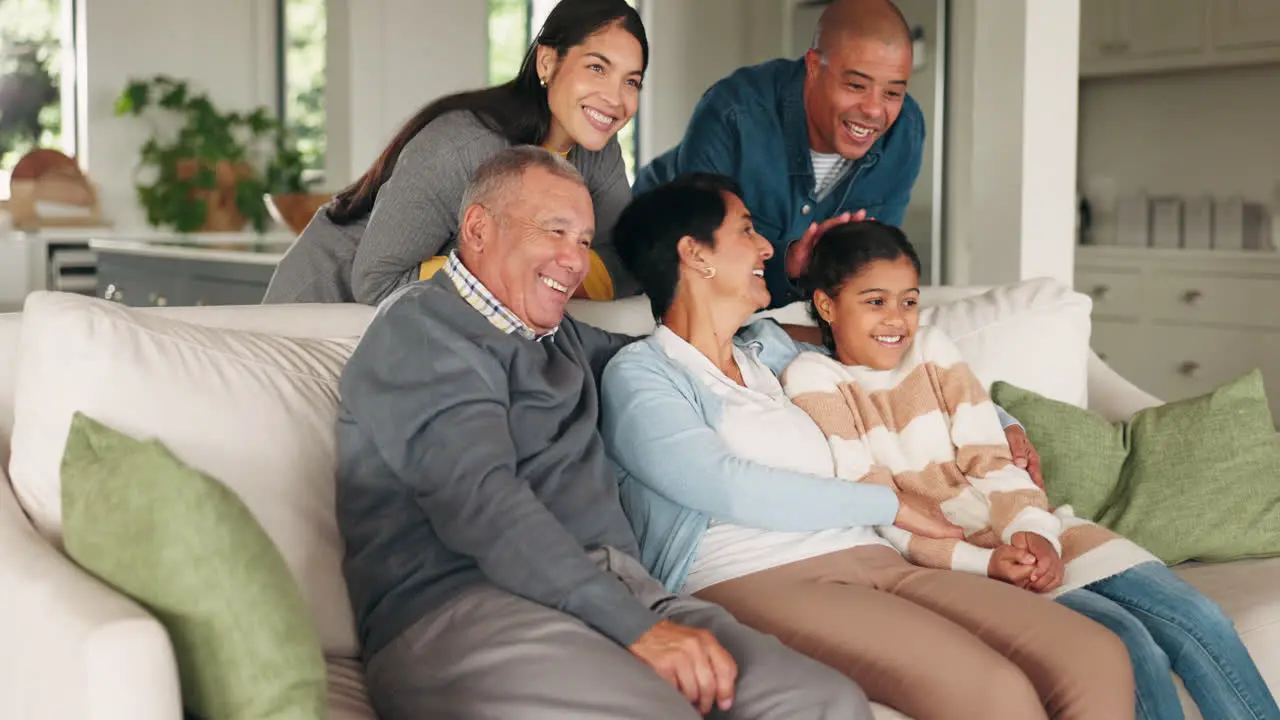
{"type": "Point", "coordinates": [71, 648]}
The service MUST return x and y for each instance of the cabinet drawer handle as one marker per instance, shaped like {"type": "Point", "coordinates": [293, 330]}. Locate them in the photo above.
{"type": "Point", "coordinates": [1191, 297]}
{"type": "Point", "coordinates": [1099, 292]}
{"type": "Point", "coordinates": [1189, 368]}
{"type": "Point", "coordinates": [157, 299]}
{"type": "Point", "coordinates": [113, 293]}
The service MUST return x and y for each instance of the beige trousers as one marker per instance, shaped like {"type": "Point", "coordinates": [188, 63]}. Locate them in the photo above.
{"type": "Point", "coordinates": [937, 644]}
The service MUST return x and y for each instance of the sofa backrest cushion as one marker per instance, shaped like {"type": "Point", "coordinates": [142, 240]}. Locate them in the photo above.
{"type": "Point", "coordinates": [1034, 334]}
{"type": "Point", "coordinates": [255, 411]}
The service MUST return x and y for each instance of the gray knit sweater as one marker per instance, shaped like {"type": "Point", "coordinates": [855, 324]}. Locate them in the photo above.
{"type": "Point", "coordinates": [468, 455]}
{"type": "Point", "coordinates": [415, 217]}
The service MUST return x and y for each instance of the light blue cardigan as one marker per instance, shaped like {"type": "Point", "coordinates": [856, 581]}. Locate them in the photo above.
{"type": "Point", "coordinates": [676, 474]}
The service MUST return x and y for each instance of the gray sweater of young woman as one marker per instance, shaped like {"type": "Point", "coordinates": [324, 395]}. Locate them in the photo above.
{"type": "Point", "coordinates": [415, 217]}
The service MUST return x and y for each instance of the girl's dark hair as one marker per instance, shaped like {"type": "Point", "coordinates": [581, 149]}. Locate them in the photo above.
{"type": "Point", "coordinates": [516, 110]}
{"type": "Point", "coordinates": [647, 234]}
{"type": "Point", "coordinates": [842, 252]}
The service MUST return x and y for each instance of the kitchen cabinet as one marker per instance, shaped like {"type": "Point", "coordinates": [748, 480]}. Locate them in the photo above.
{"type": "Point", "coordinates": [158, 281]}
{"type": "Point", "coordinates": [1179, 323]}
{"type": "Point", "coordinates": [1123, 37]}
{"type": "Point", "coordinates": [1246, 24]}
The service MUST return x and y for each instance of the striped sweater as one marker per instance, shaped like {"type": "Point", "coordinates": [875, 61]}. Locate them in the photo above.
{"type": "Point", "coordinates": [928, 427]}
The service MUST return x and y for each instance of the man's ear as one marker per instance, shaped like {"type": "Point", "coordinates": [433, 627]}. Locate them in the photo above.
{"type": "Point", "coordinates": [473, 233]}
{"type": "Point", "coordinates": [825, 304]}
{"type": "Point", "coordinates": [812, 63]}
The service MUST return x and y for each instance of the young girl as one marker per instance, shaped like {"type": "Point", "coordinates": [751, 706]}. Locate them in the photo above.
{"type": "Point", "coordinates": [899, 407]}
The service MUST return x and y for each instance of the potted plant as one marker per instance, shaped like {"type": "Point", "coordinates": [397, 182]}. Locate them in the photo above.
{"type": "Point", "coordinates": [289, 199]}
{"type": "Point", "coordinates": [209, 174]}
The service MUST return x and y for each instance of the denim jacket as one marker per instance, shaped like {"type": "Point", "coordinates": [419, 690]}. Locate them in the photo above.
{"type": "Point", "coordinates": [751, 126]}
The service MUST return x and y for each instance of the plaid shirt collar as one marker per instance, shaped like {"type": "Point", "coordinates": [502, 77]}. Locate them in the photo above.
{"type": "Point", "coordinates": [479, 297]}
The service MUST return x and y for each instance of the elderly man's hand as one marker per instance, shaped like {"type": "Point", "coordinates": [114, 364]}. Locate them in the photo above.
{"type": "Point", "coordinates": [799, 252]}
{"type": "Point", "coordinates": [1024, 455]}
{"type": "Point", "coordinates": [693, 661]}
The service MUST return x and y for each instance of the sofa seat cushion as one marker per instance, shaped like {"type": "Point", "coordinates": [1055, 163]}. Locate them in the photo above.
{"type": "Point", "coordinates": [256, 411]}
{"type": "Point", "coordinates": [1248, 591]}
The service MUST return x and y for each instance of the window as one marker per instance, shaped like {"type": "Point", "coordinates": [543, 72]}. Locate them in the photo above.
{"type": "Point", "coordinates": [36, 56]}
{"type": "Point", "coordinates": [302, 27]}
{"type": "Point", "coordinates": [512, 26]}
{"type": "Point", "coordinates": [508, 38]}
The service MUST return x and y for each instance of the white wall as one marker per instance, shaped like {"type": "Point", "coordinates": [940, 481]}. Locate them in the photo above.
{"type": "Point", "coordinates": [225, 48]}
{"type": "Point", "coordinates": [691, 45]}
{"type": "Point", "coordinates": [1011, 147]}
{"type": "Point", "coordinates": [1214, 132]}
{"type": "Point", "coordinates": [391, 57]}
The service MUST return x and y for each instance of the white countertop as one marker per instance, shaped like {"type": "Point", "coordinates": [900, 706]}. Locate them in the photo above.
{"type": "Point", "coordinates": [231, 247]}
{"type": "Point", "coordinates": [150, 235]}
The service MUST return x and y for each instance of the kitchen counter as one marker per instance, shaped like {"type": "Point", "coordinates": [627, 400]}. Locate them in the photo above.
{"type": "Point", "coordinates": [172, 270]}
{"type": "Point", "coordinates": [264, 251]}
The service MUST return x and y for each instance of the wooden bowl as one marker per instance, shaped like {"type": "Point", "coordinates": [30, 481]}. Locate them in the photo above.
{"type": "Point", "coordinates": [295, 210]}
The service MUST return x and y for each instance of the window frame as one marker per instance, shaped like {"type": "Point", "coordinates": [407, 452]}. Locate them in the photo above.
{"type": "Point", "coordinates": [314, 176]}
{"type": "Point", "coordinates": [68, 87]}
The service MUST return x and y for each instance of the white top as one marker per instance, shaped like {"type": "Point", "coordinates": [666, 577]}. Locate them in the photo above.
{"type": "Point", "coordinates": [827, 171]}
{"type": "Point", "coordinates": [759, 424]}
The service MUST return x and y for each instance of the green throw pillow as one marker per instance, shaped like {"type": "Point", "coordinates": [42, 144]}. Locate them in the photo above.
{"type": "Point", "coordinates": [1196, 479]}
{"type": "Point", "coordinates": [185, 547]}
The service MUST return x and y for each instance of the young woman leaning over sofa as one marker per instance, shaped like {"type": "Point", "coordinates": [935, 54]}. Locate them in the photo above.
{"type": "Point", "coordinates": [735, 497]}
{"type": "Point", "coordinates": [578, 86]}
{"type": "Point", "coordinates": [900, 408]}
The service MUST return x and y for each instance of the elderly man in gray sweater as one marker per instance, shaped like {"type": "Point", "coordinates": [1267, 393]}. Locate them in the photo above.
{"type": "Point", "coordinates": [489, 561]}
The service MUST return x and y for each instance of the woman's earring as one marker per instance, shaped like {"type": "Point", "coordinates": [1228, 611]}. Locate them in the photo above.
{"type": "Point", "coordinates": [542, 81]}
{"type": "Point", "coordinates": [708, 272]}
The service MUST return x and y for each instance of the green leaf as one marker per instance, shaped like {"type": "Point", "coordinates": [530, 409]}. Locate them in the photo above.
{"type": "Point", "coordinates": [259, 122]}
{"type": "Point", "coordinates": [134, 99]}
{"type": "Point", "coordinates": [175, 97]}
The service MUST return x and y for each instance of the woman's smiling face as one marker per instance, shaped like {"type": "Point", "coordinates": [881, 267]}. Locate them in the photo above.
{"type": "Point", "coordinates": [594, 89]}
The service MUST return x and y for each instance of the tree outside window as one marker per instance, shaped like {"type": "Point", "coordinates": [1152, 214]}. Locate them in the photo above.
{"type": "Point", "coordinates": [303, 29]}
{"type": "Point", "coordinates": [31, 61]}
{"type": "Point", "coordinates": [512, 25]}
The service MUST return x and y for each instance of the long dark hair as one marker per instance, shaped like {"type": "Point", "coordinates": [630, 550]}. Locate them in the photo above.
{"type": "Point", "coordinates": [842, 252]}
{"type": "Point", "coordinates": [516, 110]}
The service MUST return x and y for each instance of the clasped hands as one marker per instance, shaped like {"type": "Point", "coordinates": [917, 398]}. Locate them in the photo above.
{"type": "Point", "coordinates": [1029, 562]}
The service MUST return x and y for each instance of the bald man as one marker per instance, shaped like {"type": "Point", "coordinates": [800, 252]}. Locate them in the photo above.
{"type": "Point", "coordinates": [830, 137]}
{"type": "Point", "coordinates": [813, 142]}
